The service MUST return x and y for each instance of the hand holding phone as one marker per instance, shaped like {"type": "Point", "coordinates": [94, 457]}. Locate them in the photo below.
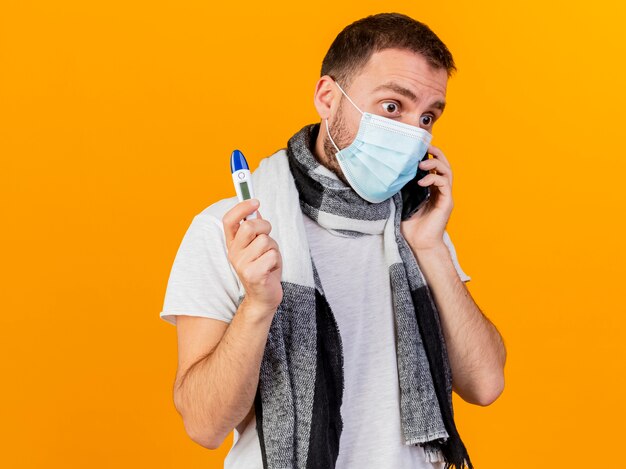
{"type": "Point", "coordinates": [414, 195]}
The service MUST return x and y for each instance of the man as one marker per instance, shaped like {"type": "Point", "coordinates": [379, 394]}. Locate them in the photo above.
{"type": "Point", "coordinates": [225, 288]}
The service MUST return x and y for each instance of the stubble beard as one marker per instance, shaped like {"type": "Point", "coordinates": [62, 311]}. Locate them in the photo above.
{"type": "Point", "coordinates": [342, 139]}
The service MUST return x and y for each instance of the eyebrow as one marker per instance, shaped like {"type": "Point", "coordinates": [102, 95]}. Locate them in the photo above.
{"type": "Point", "coordinates": [408, 93]}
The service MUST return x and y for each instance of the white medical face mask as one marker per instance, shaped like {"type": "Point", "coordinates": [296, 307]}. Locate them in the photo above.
{"type": "Point", "coordinates": [383, 156]}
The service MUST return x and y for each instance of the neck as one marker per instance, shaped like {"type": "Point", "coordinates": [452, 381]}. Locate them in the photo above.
{"type": "Point", "coordinates": [318, 148]}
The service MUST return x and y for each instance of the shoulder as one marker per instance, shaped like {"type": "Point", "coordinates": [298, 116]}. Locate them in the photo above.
{"type": "Point", "coordinates": [450, 245]}
{"type": "Point", "coordinates": [214, 213]}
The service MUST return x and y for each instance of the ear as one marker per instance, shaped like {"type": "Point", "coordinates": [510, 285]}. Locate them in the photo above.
{"type": "Point", "coordinates": [325, 96]}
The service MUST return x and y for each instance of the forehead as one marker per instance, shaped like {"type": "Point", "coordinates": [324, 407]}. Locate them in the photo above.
{"type": "Point", "coordinates": [401, 66]}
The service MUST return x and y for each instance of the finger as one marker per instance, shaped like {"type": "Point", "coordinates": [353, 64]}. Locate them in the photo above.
{"type": "Point", "coordinates": [437, 153]}
{"type": "Point", "coordinates": [257, 247]}
{"type": "Point", "coordinates": [269, 262]}
{"type": "Point", "coordinates": [437, 165]}
{"type": "Point", "coordinates": [233, 217]}
{"type": "Point", "coordinates": [437, 180]}
{"type": "Point", "coordinates": [248, 231]}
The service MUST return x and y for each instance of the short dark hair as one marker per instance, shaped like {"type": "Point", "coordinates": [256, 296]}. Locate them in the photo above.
{"type": "Point", "coordinates": [355, 44]}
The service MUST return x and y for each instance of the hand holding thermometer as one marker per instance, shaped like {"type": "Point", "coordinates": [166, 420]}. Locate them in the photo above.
{"type": "Point", "coordinates": [242, 178]}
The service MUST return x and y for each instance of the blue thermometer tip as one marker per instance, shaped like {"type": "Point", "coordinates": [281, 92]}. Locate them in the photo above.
{"type": "Point", "coordinates": [238, 161]}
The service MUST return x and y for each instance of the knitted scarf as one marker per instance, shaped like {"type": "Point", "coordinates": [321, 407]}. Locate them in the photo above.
{"type": "Point", "coordinates": [300, 389]}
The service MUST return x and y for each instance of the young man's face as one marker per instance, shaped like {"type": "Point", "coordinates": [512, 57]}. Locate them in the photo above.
{"type": "Point", "coordinates": [395, 83]}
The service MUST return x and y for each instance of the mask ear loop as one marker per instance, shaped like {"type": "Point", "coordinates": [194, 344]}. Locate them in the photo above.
{"type": "Point", "coordinates": [331, 139]}
{"type": "Point", "coordinates": [326, 120]}
{"type": "Point", "coordinates": [344, 93]}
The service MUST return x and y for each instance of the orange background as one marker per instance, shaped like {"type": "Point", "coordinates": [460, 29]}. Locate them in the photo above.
{"type": "Point", "coordinates": [117, 120]}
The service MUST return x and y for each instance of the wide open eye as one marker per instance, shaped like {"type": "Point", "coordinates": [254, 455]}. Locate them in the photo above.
{"type": "Point", "coordinates": [391, 107]}
{"type": "Point", "coordinates": [429, 121]}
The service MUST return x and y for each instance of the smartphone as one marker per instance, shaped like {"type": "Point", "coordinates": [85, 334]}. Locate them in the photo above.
{"type": "Point", "coordinates": [414, 195]}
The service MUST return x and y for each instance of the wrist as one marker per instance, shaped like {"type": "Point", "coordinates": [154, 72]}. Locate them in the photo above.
{"type": "Point", "coordinates": [433, 250]}
{"type": "Point", "coordinates": [256, 311]}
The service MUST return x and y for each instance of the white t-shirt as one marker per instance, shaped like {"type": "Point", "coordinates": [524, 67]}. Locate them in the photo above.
{"type": "Point", "coordinates": [203, 283]}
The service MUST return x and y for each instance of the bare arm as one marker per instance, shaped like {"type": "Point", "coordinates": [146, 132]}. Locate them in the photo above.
{"type": "Point", "coordinates": [475, 347]}
{"type": "Point", "coordinates": [216, 392]}
{"type": "Point", "coordinates": [219, 363]}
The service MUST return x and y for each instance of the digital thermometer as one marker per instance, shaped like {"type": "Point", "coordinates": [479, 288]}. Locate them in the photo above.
{"type": "Point", "coordinates": [242, 178]}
